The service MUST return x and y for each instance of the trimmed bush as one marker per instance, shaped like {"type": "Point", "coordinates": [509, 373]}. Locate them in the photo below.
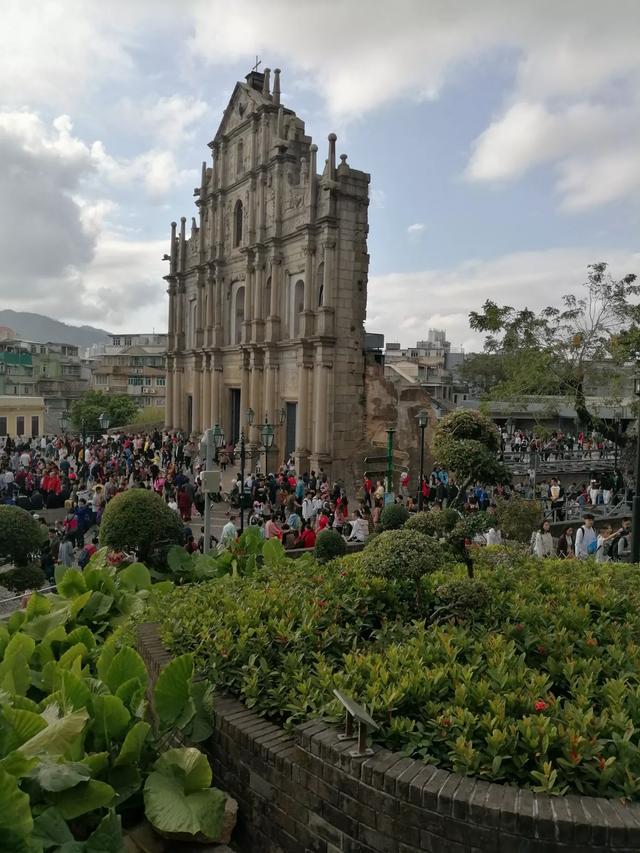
{"type": "Point", "coordinates": [434, 522]}
{"type": "Point", "coordinates": [20, 535]}
{"type": "Point", "coordinates": [329, 545]}
{"type": "Point", "coordinates": [462, 598]}
{"type": "Point", "coordinates": [393, 517]}
{"type": "Point", "coordinates": [402, 555]}
{"type": "Point", "coordinates": [139, 520]}
{"type": "Point", "coordinates": [24, 577]}
{"type": "Point", "coordinates": [518, 518]}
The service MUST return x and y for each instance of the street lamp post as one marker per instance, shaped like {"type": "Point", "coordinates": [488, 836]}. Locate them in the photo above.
{"type": "Point", "coordinates": [63, 418]}
{"type": "Point", "coordinates": [422, 423]}
{"type": "Point", "coordinates": [268, 434]}
{"type": "Point", "coordinates": [635, 520]}
{"type": "Point", "coordinates": [105, 420]}
{"type": "Point", "coordinates": [213, 439]}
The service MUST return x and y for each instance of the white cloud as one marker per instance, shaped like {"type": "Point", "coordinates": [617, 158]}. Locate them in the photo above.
{"type": "Point", "coordinates": [57, 257]}
{"type": "Point", "coordinates": [415, 229]}
{"type": "Point", "coordinates": [405, 305]}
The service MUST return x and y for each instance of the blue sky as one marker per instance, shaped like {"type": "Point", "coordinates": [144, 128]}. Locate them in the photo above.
{"type": "Point", "coordinates": [502, 145]}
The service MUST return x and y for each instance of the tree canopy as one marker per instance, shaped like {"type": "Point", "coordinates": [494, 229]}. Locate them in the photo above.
{"type": "Point", "coordinates": [120, 408]}
{"type": "Point", "coordinates": [466, 443]}
{"type": "Point", "coordinates": [556, 351]}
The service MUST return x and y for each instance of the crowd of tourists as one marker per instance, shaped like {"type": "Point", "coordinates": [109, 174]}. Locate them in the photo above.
{"type": "Point", "coordinates": [556, 445]}
{"type": "Point", "coordinates": [62, 473]}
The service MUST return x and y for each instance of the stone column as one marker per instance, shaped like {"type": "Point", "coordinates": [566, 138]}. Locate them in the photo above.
{"type": "Point", "coordinates": [206, 393]}
{"type": "Point", "coordinates": [326, 318]}
{"type": "Point", "coordinates": [248, 306]}
{"type": "Point", "coordinates": [218, 323]}
{"type": "Point", "coordinates": [197, 396]}
{"type": "Point", "coordinates": [216, 413]}
{"type": "Point", "coordinates": [244, 389]}
{"type": "Point", "coordinates": [221, 215]}
{"type": "Point", "coordinates": [307, 319]}
{"type": "Point", "coordinates": [200, 318]}
{"type": "Point", "coordinates": [178, 416]}
{"type": "Point", "coordinates": [322, 408]}
{"type": "Point", "coordinates": [255, 394]}
{"type": "Point", "coordinates": [257, 326]}
{"type": "Point", "coordinates": [302, 416]}
{"type": "Point", "coordinates": [273, 320]}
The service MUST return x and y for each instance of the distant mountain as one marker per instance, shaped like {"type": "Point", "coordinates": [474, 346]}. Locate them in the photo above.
{"type": "Point", "coordinates": [37, 327]}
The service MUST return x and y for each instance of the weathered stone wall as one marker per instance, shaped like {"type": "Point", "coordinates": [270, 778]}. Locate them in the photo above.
{"type": "Point", "coordinates": [301, 792]}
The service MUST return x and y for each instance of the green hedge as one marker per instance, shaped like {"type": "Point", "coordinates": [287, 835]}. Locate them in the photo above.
{"type": "Point", "coordinates": [139, 520]}
{"type": "Point", "coordinates": [532, 677]}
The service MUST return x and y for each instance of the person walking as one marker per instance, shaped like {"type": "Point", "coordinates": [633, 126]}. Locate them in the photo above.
{"type": "Point", "coordinates": [543, 543]}
{"type": "Point", "coordinates": [565, 544]}
{"type": "Point", "coordinates": [586, 538]}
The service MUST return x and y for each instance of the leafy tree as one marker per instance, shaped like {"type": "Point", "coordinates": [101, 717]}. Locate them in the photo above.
{"type": "Point", "coordinates": [120, 408]}
{"type": "Point", "coordinates": [466, 443]}
{"type": "Point", "coordinates": [518, 518]}
{"type": "Point", "coordinates": [139, 520]}
{"type": "Point", "coordinates": [20, 534]}
{"type": "Point", "coordinates": [558, 350]}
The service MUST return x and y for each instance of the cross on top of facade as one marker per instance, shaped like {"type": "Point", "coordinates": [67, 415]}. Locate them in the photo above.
{"type": "Point", "coordinates": [258, 63]}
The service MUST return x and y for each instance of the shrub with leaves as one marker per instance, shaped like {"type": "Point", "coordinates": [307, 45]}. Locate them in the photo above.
{"type": "Point", "coordinates": [434, 522]}
{"type": "Point", "coordinates": [75, 745]}
{"type": "Point", "coordinates": [329, 545]}
{"type": "Point", "coordinates": [138, 521]}
{"type": "Point", "coordinates": [393, 517]}
{"type": "Point", "coordinates": [518, 518]}
{"type": "Point", "coordinates": [25, 577]}
{"type": "Point", "coordinates": [402, 555]}
{"type": "Point", "coordinates": [533, 681]}
{"type": "Point", "coordinates": [21, 536]}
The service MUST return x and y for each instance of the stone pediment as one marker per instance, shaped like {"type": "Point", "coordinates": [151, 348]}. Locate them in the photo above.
{"type": "Point", "coordinates": [244, 102]}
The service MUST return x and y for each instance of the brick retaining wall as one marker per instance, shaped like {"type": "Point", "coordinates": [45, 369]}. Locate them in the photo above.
{"type": "Point", "coordinates": [302, 793]}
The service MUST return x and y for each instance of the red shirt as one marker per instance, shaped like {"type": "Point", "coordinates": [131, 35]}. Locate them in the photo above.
{"type": "Point", "coordinates": [322, 522]}
{"type": "Point", "coordinates": [307, 538]}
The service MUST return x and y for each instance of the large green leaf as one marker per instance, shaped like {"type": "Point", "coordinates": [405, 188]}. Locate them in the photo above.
{"type": "Point", "coordinates": [79, 603]}
{"type": "Point", "coordinates": [17, 765]}
{"type": "Point", "coordinates": [127, 664]}
{"type": "Point", "coordinates": [37, 605]}
{"type": "Point", "coordinates": [125, 781]}
{"type": "Point", "coordinates": [83, 798]}
{"type": "Point", "coordinates": [19, 646]}
{"type": "Point", "coordinates": [18, 727]}
{"type": "Point", "coordinates": [134, 577]}
{"type": "Point", "coordinates": [107, 653]}
{"type": "Point", "coordinates": [54, 776]}
{"type": "Point", "coordinates": [98, 607]}
{"type": "Point", "coordinates": [16, 823]}
{"type": "Point", "coordinates": [172, 692]}
{"type": "Point", "coordinates": [110, 718]}
{"type": "Point", "coordinates": [191, 762]}
{"type": "Point", "coordinates": [15, 675]}
{"type": "Point", "coordinates": [74, 691]}
{"type": "Point", "coordinates": [107, 837]}
{"type": "Point", "coordinates": [58, 737]}
{"type": "Point", "coordinates": [133, 695]}
{"type": "Point", "coordinates": [72, 584]}
{"type": "Point", "coordinates": [4, 640]}
{"type": "Point", "coordinates": [273, 553]}
{"type": "Point", "coordinates": [170, 809]}
{"type": "Point", "coordinates": [179, 561]}
{"type": "Point", "coordinates": [40, 626]}
{"type": "Point", "coordinates": [97, 762]}
{"type": "Point", "coordinates": [16, 620]}
{"type": "Point", "coordinates": [132, 745]}
{"type": "Point", "coordinates": [51, 830]}
{"type": "Point", "coordinates": [68, 658]}
{"type": "Point", "coordinates": [201, 726]}
{"type": "Point", "coordinates": [82, 634]}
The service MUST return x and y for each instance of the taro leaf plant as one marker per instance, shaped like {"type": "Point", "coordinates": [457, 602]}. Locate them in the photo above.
{"type": "Point", "coordinates": [75, 744]}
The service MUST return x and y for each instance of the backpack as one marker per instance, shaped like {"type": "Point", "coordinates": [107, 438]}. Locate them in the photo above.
{"type": "Point", "coordinates": [592, 547]}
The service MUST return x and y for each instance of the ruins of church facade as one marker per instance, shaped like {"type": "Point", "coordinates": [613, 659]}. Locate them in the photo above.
{"type": "Point", "coordinates": [268, 290]}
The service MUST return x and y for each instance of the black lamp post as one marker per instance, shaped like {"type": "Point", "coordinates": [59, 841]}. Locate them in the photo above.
{"type": "Point", "coordinates": [422, 423]}
{"type": "Point", "coordinates": [105, 420]}
{"type": "Point", "coordinates": [243, 458]}
{"type": "Point", "coordinates": [64, 420]}
{"type": "Point", "coordinates": [635, 520]}
{"type": "Point", "coordinates": [268, 434]}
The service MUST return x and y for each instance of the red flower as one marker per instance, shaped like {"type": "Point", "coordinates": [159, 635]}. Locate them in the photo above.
{"type": "Point", "coordinates": [591, 641]}
{"type": "Point", "coordinates": [519, 627]}
{"type": "Point", "coordinates": [601, 762]}
{"type": "Point", "coordinates": [321, 602]}
{"type": "Point", "coordinates": [445, 721]}
{"type": "Point", "coordinates": [541, 705]}
{"type": "Point", "coordinates": [541, 650]}
{"type": "Point", "coordinates": [574, 757]}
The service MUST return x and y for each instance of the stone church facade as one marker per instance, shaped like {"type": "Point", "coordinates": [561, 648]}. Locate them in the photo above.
{"type": "Point", "coordinates": [268, 290]}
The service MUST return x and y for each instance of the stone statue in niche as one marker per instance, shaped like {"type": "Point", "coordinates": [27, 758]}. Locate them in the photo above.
{"type": "Point", "coordinates": [295, 199]}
